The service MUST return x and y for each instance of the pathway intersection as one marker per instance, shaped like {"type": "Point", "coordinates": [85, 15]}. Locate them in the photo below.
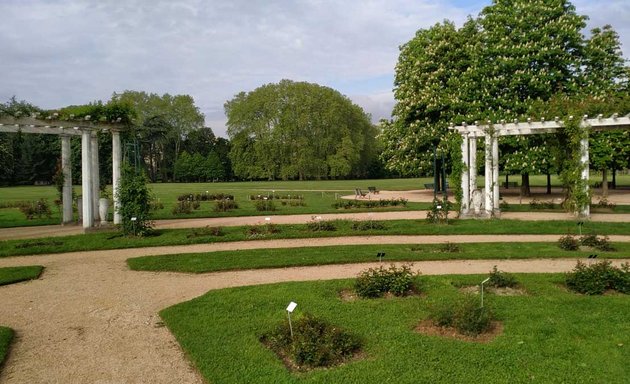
{"type": "Point", "coordinates": [89, 319]}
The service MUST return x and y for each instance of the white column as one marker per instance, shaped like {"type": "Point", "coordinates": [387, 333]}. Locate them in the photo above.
{"type": "Point", "coordinates": [488, 176]}
{"type": "Point", "coordinates": [495, 172]}
{"type": "Point", "coordinates": [465, 177]}
{"type": "Point", "coordinates": [472, 152]}
{"type": "Point", "coordinates": [66, 170]}
{"type": "Point", "coordinates": [116, 162]}
{"type": "Point", "coordinates": [586, 210]}
{"type": "Point", "coordinates": [86, 179]}
{"type": "Point", "coordinates": [95, 177]}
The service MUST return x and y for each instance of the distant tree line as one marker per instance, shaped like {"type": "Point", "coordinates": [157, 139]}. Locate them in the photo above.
{"type": "Point", "coordinates": [284, 131]}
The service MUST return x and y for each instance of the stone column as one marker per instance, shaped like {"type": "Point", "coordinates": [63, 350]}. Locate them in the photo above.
{"type": "Point", "coordinates": [495, 173]}
{"type": "Point", "coordinates": [465, 176]}
{"type": "Point", "coordinates": [472, 153]}
{"type": "Point", "coordinates": [116, 162]}
{"type": "Point", "coordinates": [95, 176]}
{"type": "Point", "coordinates": [66, 170]}
{"type": "Point", "coordinates": [488, 176]}
{"type": "Point", "coordinates": [585, 210]}
{"type": "Point", "coordinates": [86, 179]}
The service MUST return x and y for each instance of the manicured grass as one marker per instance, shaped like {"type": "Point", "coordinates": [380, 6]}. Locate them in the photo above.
{"type": "Point", "coordinates": [319, 195]}
{"type": "Point", "coordinates": [550, 335]}
{"type": "Point", "coordinates": [291, 257]}
{"type": "Point", "coordinates": [10, 275]}
{"type": "Point", "coordinates": [111, 240]}
{"type": "Point", "coordinates": [6, 335]}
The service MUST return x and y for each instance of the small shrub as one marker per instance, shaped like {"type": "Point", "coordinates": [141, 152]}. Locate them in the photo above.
{"type": "Point", "coordinates": [38, 208]}
{"type": "Point", "coordinates": [204, 197]}
{"type": "Point", "coordinates": [185, 207]}
{"type": "Point", "coordinates": [255, 231]}
{"type": "Point", "coordinates": [156, 205]}
{"type": "Point", "coordinates": [375, 282]}
{"type": "Point", "coordinates": [500, 279]}
{"type": "Point", "coordinates": [321, 225]}
{"type": "Point", "coordinates": [465, 315]}
{"type": "Point", "coordinates": [537, 204]}
{"type": "Point", "coordinates": [367, 225]}
{"type": "Point", "coordinates": [450, 247]}
{"type": "Point", "coordinates": [264, 205]}
{"type": "Point", "coordinates": [596, 278]}
{"type": "Point", "coordinates": [438, 214]}
{"type": "Point", "coordinates": [604, 203]}
{"type": "Point", "coordinates": [568, 243]}
{"type": "Point", "coordinates": [350, 204]}
{"type": "Point", "coordinates": [225, 205]}
{"type": "Point", "coordinates": [205, 231]}
{"type": "Point", "coordinates": [315, 342]}
{"type": "Point", "coordinates": [597, 242]}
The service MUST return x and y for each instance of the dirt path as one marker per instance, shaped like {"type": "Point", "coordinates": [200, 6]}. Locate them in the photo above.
{"type": "Point", "coordinates": [89, 319]}
{"type": "Point", "coordinates": [58, 230]}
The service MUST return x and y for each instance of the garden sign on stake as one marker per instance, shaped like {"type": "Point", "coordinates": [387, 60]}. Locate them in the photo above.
{"type": "Point", "coordinates": [290, 310]}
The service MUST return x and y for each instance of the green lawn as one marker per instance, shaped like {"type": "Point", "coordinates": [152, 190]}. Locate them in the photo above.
{"type": "Point", "coordinates": [319, 195]}
{"type": "Point", "coordinates": [550, 335]}
{"type": "Point", "coordinates": [6, 335]}
{"type": "Point", "coordinates": [279, 258]}
{"type": "Point", "coordinates": [113, 240]}
{"type": "Point", "coordinates": [10, 275]}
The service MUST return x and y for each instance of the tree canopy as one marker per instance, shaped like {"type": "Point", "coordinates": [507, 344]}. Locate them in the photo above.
{"type": "Point", "coordinates": [298, 130]}
{"type": "Point", "coordinates": [514, 57]}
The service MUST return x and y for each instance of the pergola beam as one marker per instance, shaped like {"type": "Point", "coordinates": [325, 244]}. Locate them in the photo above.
{"type": "Point", "coordinates": [492, 131]}
{"type": "Point", "coordinates": [86, 129]}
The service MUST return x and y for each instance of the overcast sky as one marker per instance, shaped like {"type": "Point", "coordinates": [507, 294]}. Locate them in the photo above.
{"type": "Point", "coordinates": [55, 53]}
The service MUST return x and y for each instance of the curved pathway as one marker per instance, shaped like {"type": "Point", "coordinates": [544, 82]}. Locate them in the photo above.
{"type": "Point", "coordinates": [89, 319]}
{"type": "Point", "coordinates": [59, 230]}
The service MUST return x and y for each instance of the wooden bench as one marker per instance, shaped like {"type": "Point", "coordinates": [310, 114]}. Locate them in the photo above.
{"type": "Point", "coordinates": [373, 190]}
{"type": "Point", "coordinates": [358, 194]}
{"type": "Point", "coordinates": [431, 185]}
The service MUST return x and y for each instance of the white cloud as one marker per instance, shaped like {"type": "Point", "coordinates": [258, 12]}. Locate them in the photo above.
{"type": "Point", "coordinates": [56, 53]}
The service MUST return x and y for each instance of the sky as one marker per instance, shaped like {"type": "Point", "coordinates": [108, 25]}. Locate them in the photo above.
{"type": "Point", "coordinates": [55, 53]}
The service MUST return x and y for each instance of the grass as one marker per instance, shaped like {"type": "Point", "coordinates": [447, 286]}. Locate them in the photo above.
{"type": "Point", "coordinates": [6, 335]}
{"type": "Point", "coordinates": [280, 258]}
{"type": "Point", "coordinates": [113, 240]}
{"type": "Point", "coordinates": [587, 343]}
{"type": "Point", "coordinates": [319, 196]}
{"type": "Point", "coordinates": [10, 275]}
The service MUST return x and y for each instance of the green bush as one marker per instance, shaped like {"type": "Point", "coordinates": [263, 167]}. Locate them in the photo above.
{"type": "Point", "coordinates": [596, 242]}
{"type": "Point", "coordinates": [569, 243]}
{"type": "Point", "coordinates": [225, 205]}
{"type": "Point", "coordinates": [450, 247]}
{"type": "Point", "coordinates": [315, 342]}
{"type": "Point", "coordinates": [500, 279]}
{"type": "Point", "coordinates": [596, 278]}
{"type": "Point", "coordinates": [135, 198]}
{"type": "Point", "coordinates": [438, 214]}
{"type": "Point", "coordinates": [375, 282]}
{"type": "Point", "coordinates": [186, 206]}
{"type": "Point", "coordinates": [205, 231]}
{"type": "Point", "coordinates": [264, 205]}
{"type": "Point", "coordinates": [38, 208]}
{"type": "Point", "coordinates": [465, 315]}
{"type": "Point", "coordinates": [321, 225]}
{"type": "Point", "coordinates": [367, 225]}
{"type": "Point", "coordinates": [255, 231]}
{"type": "Point", "coordinates": [350, 204]}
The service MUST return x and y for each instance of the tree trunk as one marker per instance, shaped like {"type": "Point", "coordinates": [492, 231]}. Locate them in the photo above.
{"type": "Point", "coordinates": [604, 183]}
{"type": "Point", "coordinates": [548, 183]}
{"type": "Point", "coordinates": [525, 191]}
{"type": "Point", "coordinates": [507, 181]}
{"type": "Point", "coordinates": [614, 179]}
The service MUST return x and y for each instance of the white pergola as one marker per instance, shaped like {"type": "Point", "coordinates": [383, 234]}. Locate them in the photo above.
{"type": "Point", "coordinates": [89, 159]}
{"type": "Point", "coordinates": [472, 197]}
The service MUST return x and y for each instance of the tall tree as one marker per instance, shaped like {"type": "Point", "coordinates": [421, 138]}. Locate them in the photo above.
{"type": "Point", "coordinates": [297, 130]}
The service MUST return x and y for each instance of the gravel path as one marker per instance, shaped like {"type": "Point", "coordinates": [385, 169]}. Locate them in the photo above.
{"type": "Point", "coordinates": [89, 319]}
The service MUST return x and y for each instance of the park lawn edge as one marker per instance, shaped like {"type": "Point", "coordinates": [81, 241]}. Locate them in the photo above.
{"type": "Point", "coordinates": [11, 275]}
{"type": "Point", "coordinates": [219, 333]}
{"type": "Point", "coordinates": [167, 237]}
{"type": "Point", "coordinates": [351, 254]}
{"type": "Point", "coordinates": [6, 336]}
